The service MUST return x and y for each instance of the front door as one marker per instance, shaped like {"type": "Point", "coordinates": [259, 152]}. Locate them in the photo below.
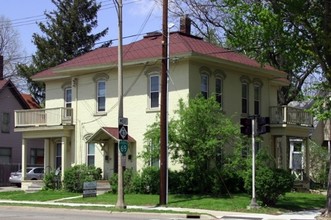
{"type": "Point", "coordinates": [296, 158]}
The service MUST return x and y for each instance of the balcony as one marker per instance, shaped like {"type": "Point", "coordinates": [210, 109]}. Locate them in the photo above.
{"type": "Point", "coordinates": [286, 115]}
{"type": "Point", "coordinates": [43, 117]}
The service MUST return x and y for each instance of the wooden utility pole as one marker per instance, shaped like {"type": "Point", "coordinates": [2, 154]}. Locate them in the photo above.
{"type": "Point", "coordinates": [163, 113]}
{"type": "Point", "coordinates": [120, 191]}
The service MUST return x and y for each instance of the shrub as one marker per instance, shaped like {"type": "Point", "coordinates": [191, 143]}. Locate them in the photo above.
{"type": "Point", "coordinates": [75, 177]}
{"type": "Point", "coordinates": [150, 180]}
{"type": "Point", "coordinates": [52, 181]}
{"type": "Point", "coordinates": [270, 184]}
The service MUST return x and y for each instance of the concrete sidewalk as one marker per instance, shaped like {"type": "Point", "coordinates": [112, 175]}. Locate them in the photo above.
{"type": "Point", "coordinates": [190, 213]}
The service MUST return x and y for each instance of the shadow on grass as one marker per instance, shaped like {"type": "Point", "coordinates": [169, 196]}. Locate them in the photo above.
{"type": "Point", "coordinates": [185, 198]}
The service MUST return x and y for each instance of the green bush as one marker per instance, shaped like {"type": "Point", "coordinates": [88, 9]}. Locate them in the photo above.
{"type": "Point", "coordinates": [113, 181]}
{"type": "Point", "coordinates": [270, 184]}
{"type": "Point", "coordinates": [75, 177]}
{"type": "Point", "coordinates": [52, 181]}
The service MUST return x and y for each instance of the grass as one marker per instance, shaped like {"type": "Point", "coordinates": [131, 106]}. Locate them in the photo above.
{"type": "Point", "coordinates": [290, 202]}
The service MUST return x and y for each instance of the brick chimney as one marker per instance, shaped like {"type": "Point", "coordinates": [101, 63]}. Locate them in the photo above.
{"type": "Point", "coordinates": [1, 67]}
{"type": "Point", "coordinates": [185, 25]}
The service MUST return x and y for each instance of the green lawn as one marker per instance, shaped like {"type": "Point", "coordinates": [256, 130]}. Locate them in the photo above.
{"type": "Point", "coordinates": [238, 202]}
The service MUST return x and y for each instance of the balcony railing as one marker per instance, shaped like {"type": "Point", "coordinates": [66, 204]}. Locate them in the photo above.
{"type": "Point", "coordinates": [43, 117]}
{"type": "Point", "coordinates": [290, 115]}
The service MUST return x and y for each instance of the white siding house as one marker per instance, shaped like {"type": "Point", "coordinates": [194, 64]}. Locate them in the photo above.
{"type": "Point", "coordinates": [80, 120]}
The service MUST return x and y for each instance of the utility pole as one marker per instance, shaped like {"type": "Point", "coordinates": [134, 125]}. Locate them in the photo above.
{"type": "Point", "coordinates": [253, 201]}
{"type": "Point", "coordinates": [120, 192]}
{"type": "Point", "coordinates": [163, 113]}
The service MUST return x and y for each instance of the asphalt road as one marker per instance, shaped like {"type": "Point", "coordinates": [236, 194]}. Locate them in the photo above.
{"type": "Point", "coordinates": [36, 213]}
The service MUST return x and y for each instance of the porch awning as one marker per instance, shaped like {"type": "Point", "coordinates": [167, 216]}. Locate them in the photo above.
{"type": "Point", "coordinates": [106, 133]}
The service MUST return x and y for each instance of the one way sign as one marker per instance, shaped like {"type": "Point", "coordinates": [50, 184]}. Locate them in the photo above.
{"type": "Point", "coordinates": [123, 132]}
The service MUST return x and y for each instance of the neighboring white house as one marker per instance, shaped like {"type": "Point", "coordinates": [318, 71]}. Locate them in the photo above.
{"type": "Point", "coordinates": [80, 119]}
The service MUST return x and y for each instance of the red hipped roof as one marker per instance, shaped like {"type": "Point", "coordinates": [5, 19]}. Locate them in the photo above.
{"type": "Point", "coordinates": [150, 47]}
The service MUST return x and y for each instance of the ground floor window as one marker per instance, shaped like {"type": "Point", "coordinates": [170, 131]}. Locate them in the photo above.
{"type": "Point", "coordinates": [37, 156]}
{"type": "Point", "coordinates": [58, 156]}
{"type": "Point", "coordinates": [91, 154]}
{"type": "Point", "coordinates": [5, 155]}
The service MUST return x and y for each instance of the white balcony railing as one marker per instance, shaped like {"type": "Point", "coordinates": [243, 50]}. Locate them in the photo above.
{"type": "Point", "coordinates": [43, 117]}
{"type": "Point", "coordinates": [290, 115]}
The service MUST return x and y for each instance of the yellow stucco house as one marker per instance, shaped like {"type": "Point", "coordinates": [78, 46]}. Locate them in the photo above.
{"type": "Point", "coordinates": [79, 124]}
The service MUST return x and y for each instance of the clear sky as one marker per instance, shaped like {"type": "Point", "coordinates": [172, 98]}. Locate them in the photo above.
{"type": "Point", "coordinates": [139, 16]}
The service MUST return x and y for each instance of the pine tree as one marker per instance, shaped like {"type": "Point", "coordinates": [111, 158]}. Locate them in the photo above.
{"type": "Point", "coordinates": [66, 34]}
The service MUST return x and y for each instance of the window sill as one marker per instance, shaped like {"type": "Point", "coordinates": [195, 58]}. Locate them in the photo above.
{"type": "Point", "coordinates": [100, 114]}
{"type": "Point", "coordinates": [152, 110]}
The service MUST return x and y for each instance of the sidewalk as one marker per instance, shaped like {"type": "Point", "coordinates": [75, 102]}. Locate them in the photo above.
{"type": "Point", "coordinates": [191, 213]}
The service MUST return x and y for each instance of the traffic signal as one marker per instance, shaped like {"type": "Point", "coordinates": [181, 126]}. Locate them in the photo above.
{"type": "Point", "coordinates": [246, 126]}
{"type": "Point", "coordinates": [263, 125]}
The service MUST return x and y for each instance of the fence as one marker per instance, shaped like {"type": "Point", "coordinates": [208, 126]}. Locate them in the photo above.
{"type": "Point", "coordinates": [5, 170]}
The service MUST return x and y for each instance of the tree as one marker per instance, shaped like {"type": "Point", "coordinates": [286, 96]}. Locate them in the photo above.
{"type": "Point", "coordinates": [197, 135]}
{"type": "Point", "coordinates": [10, 49]}
{"type": "Point", "coordinates": [289, 35]}
{"type": "Point", "coordinates": [66, 35]}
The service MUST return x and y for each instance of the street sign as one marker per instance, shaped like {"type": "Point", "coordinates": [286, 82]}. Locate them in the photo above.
{"type": "Point", "coordinates": [123, 132]}
{"type": "Point", "coordinates": [123, 145]}
{"type": "Point", "coordinates": [123, 121]}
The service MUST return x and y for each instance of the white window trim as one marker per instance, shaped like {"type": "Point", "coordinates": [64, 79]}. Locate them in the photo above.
{"type": "Point", "coordinates": [149, 102]}
{"type": "Point", "coordinates": [97, 96]}
{"type": "Point", "coordinates": [246, 81]}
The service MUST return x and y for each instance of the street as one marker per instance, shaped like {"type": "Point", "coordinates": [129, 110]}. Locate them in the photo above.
{"type": "Point", "coordinates": [36, 213]}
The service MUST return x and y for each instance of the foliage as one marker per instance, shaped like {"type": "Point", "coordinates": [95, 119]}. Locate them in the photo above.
{"type": "Point", "coordinates": [11, 50]}
{"type": "Point", "coordinates": [75, 177]}
{"type": "Point", "coordinates": [318, 161]}
{"type": "Point", "coordinates": [146, 182]}
{"type": "Point", "coordinates": [270, 184]}
{"type": "Point", "coordinates": [66, 34]}
{"type": "Point", "coordinates": [52, 181]}
{"type": "Point", "coordinates": [197, 135]}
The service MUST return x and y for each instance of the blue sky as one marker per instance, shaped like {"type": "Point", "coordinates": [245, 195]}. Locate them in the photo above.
{"type": "Point", "coordinates": [139, 16]}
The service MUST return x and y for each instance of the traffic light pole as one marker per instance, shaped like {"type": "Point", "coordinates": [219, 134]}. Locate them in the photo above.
{"type": "Point", "coordinates": [253, 201]}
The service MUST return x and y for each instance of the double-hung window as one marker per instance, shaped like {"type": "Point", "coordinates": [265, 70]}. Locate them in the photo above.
{"type": "Point", "coordinates": [154, 91]}
{"type": "Point", "coordinates": [101, 95]}
{"type": "Point", "coordinates": [5, 120]}
{"type": "Point", "coordinates": [58, 155]}
{"type": "Point", "coordinates": [5, 155]}
{"type": "Point", "coordinates": [244, 97]}
{"type": "Point", "coordinates": [204, 85]}
{"type": "Point", "coordinates": [219, 90]}
{"type": "Point", "coordinates": [68, 100]}
{"type": "Point", "coordinates": [257, 99]}
{"type": "Point", "coordinates": [90, 154]}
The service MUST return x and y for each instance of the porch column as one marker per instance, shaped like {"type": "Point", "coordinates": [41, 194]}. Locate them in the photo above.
{"type": "Point", "coordinates": [285, 161]}
{"type": "Point", "coordinates": [46, 155]}
{"type": "Point", "coordinates": [24, 158]}
{"type": "Point", "coordinates": [63, 156]}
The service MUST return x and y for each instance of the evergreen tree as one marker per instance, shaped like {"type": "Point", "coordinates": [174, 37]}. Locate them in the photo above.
{"type": "Point", "coordinates": [66, 35]}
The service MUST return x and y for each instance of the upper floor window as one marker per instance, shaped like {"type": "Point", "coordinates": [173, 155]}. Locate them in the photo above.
{"type": "Point", "coordinates": [67, 97]}
{"type": "Point", "coordinates": [204, 85]}
{"type": "Point", "coordinates": [101, 95]}
{"type": "Point", "coordinates": [154, 91]}
{"type": "Point", "coordinates": [244, 97]}
{"type": "Point", "coordinates": [257, 99]}
{"type": "Point", "coordinates": [90, 154]}
{"type": "Point", "coordinates": [5, 120]}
